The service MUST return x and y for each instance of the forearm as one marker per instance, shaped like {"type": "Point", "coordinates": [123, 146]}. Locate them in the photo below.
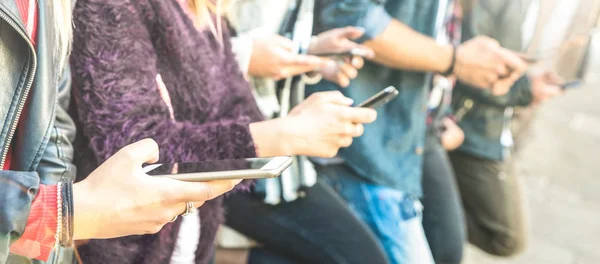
{"type": "Point", "coordinates": [268, 137]}
{"type": "Point", "coordinates": [401, 47]}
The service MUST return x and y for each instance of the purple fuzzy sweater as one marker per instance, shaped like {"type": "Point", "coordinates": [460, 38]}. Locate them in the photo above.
{"type": "Point", "coordinates": [119, 48]}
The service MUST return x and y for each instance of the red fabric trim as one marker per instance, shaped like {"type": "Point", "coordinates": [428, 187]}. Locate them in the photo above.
{"type": "Point", "coordinates": [8, 159]}
{"type": "Point", "coordinates": [38, 239]}
{"type": "Point", "coordinates": [23, 6]}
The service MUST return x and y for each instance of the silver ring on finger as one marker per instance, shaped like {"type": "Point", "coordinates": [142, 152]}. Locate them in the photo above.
{"type": "Point", "coordinates": [189, 208]}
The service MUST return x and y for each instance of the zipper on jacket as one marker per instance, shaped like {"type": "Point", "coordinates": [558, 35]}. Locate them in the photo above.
{"type": "Point", "coordinates": [27, 86]}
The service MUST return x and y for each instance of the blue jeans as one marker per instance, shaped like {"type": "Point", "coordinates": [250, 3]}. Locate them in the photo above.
{"type": "Point", "coordinates": [394, 216]}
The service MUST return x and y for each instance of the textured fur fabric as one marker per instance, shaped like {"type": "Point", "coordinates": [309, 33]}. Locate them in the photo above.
{"type": "Point", "coordinates": [119, 48]}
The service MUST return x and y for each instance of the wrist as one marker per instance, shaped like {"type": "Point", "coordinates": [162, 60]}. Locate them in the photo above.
{"type": "Point", "coordinates": [314, 40]}
{"type": "Point", "coordinates": [82, 221]}
{"type": "Point", "coordinates": [270, 137]}
{"type": "Point", "coordinates": [450, 65]}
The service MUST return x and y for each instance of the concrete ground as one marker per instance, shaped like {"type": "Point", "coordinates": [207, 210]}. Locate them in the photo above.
{"type": "Point", "coordinates": [561, 166]}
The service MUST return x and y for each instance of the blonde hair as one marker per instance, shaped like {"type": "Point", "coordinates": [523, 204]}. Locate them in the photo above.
{"type": "Point", "coordinates": [61, 11]}
{"type": "Point", "coordinates": [203, 9]}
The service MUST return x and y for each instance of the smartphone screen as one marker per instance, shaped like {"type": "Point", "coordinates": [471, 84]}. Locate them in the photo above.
{"type": "Point", "coordinates": [207, 166]}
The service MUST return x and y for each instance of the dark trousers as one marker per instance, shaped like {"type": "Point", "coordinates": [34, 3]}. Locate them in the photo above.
{"type": "Point", "coordinates": [443, 219]}
{"type": "Point", "coordinates": [319, 228]}
{"type": "Point", "coordinates": [494, 204]}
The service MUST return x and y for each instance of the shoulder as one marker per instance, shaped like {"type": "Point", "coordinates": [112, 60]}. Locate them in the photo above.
{"type": "Point", "coordinates": [110, 10]}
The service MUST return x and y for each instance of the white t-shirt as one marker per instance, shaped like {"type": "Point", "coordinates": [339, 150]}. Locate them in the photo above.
{"type": "Point", "coordinates": [187, 240]}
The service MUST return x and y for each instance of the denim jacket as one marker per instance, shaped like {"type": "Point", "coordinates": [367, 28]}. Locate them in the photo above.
{"type": "Point", "coordinates": [45, 130]}
{"type": "Point", "coordinates": [390, 151]}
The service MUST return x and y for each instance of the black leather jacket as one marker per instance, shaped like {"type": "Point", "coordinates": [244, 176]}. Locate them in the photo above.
{"type": "Point", "coordinates": [34, 94]}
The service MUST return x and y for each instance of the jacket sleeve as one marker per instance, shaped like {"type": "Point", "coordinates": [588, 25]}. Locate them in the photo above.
{"type": "Point", "coordinates": [118, 101]}
{"type": "Point", "coordinates": [57, 161]}
{"type": "Point", "coordinates": [17, 191]}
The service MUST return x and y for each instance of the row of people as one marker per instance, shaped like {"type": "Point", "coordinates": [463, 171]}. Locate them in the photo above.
{"type": "Point", "coordinates": [168, 80]}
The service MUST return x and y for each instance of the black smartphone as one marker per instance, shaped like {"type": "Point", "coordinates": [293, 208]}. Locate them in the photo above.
{"type": "Point", "coordinates": [380, 98]}
{"type": "Point", "coordinates": [570, 85]}
{"type": "Point", "coordinates": [350, 53]}
{"type": "Point", "coordinates": [254, 168]}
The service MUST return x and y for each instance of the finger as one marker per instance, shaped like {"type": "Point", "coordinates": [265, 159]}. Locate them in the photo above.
{"type": "Point", "coordinates": [348, 70]}
{"type": "Point", "coordinates": [490, 79]}
{"type": "Point", "coordinates": [501, 87]}
{"type": "Point", "coordinates": [351, 130]}
{"type": "Point", "coordinates": [334, 97]}
{"type": "Point", "coordinates": [359, 129]}
{"type": "Point", "coordinates": [203, 191]}
{"type": "Point", "coordinates": [291, 59]}
{"type": "Point", "coordinates": [502, 70]}
{"type": "Point", "coordinates": [345, 142]}
{"type": "Point", "coordinates": [350, 32]}
{"type": "Point", "coordinates": [342, 80]}
{"type": "Point", "coordinates": [283, 42]}
{"type": "Point", "coordinates": [359, 115]}
{"type": "Point", "coordinates": [143, 151]}
{"type": "Point", "coordinates": [512, 60]}
{"type": "Point", "coordinates": [358, 62]}
{"type": "Point", "coordinates": [363, 51]}
{"type": "Point", "coordinates": [290, 71]}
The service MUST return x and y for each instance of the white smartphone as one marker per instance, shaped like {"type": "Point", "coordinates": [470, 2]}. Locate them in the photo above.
{"type": "Point", "coordinates": [236, 169]}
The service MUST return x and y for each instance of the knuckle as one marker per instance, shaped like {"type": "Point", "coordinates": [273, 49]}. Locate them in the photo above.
{"type": "Point", "coordinates": [344, 114]}
{"type": "Point", "coordinates": [127, 154]}
{"type": "Point", "coordinates": [208, 193]}
{"type": "Point", "coordinates": [169, 197]}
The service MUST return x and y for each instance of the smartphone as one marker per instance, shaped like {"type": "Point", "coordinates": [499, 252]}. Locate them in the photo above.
{"type": "Point", "coordinates": [350, 53]}
{"type": "Point", "coordinates": [380, 98]}
{"type": "Point", "coordinates": [235, 169]}
{"type": "Point", "coordinates": [571, 85]}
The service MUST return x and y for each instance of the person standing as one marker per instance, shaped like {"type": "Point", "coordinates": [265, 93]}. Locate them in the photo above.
{"type": "Point", "coordinates": [41, 211]}
{"type": "Point", "coordinates": [296, 217]}
{"type": "Point", "coordinates": [380, 174]}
